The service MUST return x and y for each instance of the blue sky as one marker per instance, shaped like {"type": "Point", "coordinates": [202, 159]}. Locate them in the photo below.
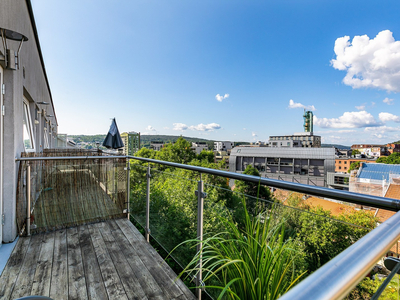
{"type": "Point", "coordinates": [224, 70]}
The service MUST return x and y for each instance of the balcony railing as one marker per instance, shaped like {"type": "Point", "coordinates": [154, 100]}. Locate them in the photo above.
{"type": "Point", "coordinates": [148, 208]}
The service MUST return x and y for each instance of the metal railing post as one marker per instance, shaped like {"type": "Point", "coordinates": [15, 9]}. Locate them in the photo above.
{"type": "Point", "coordinates": [200, 211]}
{"type": "Point", "coordinates": [147, 229]}
{"type": "Point", "coordinates": [128, 187]}
{"type": "Point", "coordinates": [28, 199]}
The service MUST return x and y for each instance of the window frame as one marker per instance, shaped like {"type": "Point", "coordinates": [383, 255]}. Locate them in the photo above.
{"type": "Point", "coordinates": [27, 117]}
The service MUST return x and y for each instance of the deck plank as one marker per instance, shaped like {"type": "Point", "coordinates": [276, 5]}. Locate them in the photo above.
{"type": "Point", "coordinates": [166, 282]}
{"type": "Point", "coordinates": [59, 280]}
{"type": "Point", "coordinates": [13, 267]}
{"type": "Point", "coordinates": [167, 269]}
{"type": "Point", "coordinates": [94, 281]}
{"type": "Point", "coordinates": [42, 279]}
{"type": "Point", "coordinates": [76, 272]}
{"type": "Point", "coordinates": [23, 285]}
{"type": "Point", "coordinates": [138, 272]}
{"type": "Point", "coordinates": [112, 282]}
{"type": "Point", "coordinates": [108, 260]}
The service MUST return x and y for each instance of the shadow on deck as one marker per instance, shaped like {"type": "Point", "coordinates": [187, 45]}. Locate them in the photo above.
{"type": "Point", "coordinates": [107, 260]}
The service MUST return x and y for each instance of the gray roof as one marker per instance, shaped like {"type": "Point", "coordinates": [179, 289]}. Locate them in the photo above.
{"type": "Point", "coordinates": [297, 152]}
{"type": "Point", "coordinates": [378, 171]}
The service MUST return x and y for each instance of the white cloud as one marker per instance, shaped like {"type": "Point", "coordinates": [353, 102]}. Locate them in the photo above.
{"type": "Point", "coordinates": [379, 136]}
{"type": "Point", "coordinates": [382, 129]}
{"type": "Point", "coordinates": [355, 119]}
{"type": "Point", "coordinates": [336, 131]}
{"type": "Point", "coordinates": [361, 107]}
{"type": "Point", "coordinates": [199, 127]}
{"type": "Point", "coordinates": [180, 126]}
{"type": "Point", "coordinates": [254, 134]}
{"type": "Point", "coordinates": [369, 62]}
{"type": "Point", "coordinates": [388, 101]}
{"type": "Point", "coordinates": [373, 104]}
{"type": "Point", "coordinates": [293, 104]}
{"type": "Point", "coordinates": [150, 128]}
{"type": "Point", "coordinates": [220, 97]}
{"type": "Point", "coordinates": [166, 128]}
{"type": "Point", "coordinates": [387, 117]}
{"type": "Point", "coordinates": [205, 127]}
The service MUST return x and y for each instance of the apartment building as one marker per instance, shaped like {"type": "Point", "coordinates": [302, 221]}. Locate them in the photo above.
{"type": "Point", "coordinates": [223, 146]}
{"type": "Point", "coordinates": [199, 146]}
{"type": "Point", "coordinates": [342, 165]}
{"type": "Point", "coordinates": [28, 122]}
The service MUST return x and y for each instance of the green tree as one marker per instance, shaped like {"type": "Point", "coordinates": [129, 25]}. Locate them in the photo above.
{"type": "Point", "coordinates": [251, 188]}
{"type": "Point", "coordinates": [322, 235]}
{"type": "Point", "coordinates": [253, 192]}
{"type": "Point", "coordinates": [354, 166]}
{"type": "Point", "coordinates": [382, 160]}
{"type": "Point", "coordinates": [355, 152]}
{"type": "Point", "coordinates": [393, 158]}
{"type": "Point", "coordinates": [179, 152]}
{"type": "Point", "coordinates": [206, 155]}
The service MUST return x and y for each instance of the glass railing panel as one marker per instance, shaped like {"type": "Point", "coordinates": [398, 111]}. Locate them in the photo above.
{"type": "Point", "coordinates": [173, 208]}
{"type": "Point", "coordinates": [315, 233]}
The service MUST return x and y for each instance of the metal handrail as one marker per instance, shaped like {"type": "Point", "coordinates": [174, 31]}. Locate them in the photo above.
{"type": "Point", "coordinates": [340, 275]}
{"type": "Point", "coordinates": [356, 198]}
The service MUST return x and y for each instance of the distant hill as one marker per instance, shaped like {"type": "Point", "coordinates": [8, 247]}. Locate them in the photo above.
{"type": "Point", "coordinates": [336, 146]}
{"type": "Point", "coordinates": [144, 140]}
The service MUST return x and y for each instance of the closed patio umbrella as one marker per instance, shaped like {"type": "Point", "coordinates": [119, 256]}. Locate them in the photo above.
{"type": "Point", "coordinates": [113, 139]}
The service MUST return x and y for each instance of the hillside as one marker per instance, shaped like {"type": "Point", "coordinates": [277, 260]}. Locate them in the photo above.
{"type": "Point", "coordinates": [89, 141]}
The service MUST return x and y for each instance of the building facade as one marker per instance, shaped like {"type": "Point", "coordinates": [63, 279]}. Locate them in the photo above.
{"type": "Point", "coordinates": [223, 146]}
{"type": "Point", "coordinates": [302, 139]}
{"type": "Point", "coordinates": [301, 165]}
{"type": "Point", "coordinates": [199, 146]}
{"type": "Point", "coordinates": [28, 121]}
{"type": "Point", "coordinates": [342, 165]}
{"type": "Point", "coordinates": [131, 142]}
{"type": "Point", "coordinates": [156, 145]}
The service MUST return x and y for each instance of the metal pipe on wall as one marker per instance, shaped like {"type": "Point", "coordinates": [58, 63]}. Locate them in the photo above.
{"type": "Point", "coordinates": [28, 200]}
{"type": "Point", "coordinates": [147, 229]}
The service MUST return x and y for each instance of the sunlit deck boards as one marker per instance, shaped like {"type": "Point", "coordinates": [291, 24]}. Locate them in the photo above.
{"type": "Point", "coordinates": [108, 260]}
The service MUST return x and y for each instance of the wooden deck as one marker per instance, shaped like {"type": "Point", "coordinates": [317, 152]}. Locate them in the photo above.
{"type": "Point", "coordinates": [107, 260]}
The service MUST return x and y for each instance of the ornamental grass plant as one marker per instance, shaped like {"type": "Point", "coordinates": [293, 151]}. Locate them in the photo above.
{"type": "Point", "coordinates": [252, 262]}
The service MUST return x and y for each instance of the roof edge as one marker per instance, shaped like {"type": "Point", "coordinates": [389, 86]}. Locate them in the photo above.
{"type": "Point", "coordinates": [33, 23]}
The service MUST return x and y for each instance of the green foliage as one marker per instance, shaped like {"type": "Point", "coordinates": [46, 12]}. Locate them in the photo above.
{"type": "Point", "coordinates": [251, 188]}
{"type": "Point", "coordinates": [253, 191]}
{"type": "Point", "coordinates": [323, 235]}
{"type": "Point", "coordinates": [253, 263]}
{"type": "Point", "coordinates": [355, 152]}
{"type": "Point", "coordinates": [367, 287]}
{"type": "Point", "coordinates": [382, 160]}
{"type": "Point", "coordinates": [208, 156]}
{"type": "Point", "coordinates": [393, 158]}
{"type": "Point", "coordinates": [354, 166]}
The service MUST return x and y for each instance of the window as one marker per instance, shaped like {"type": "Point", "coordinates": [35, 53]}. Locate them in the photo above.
{"type": "Point", "coordinates": [29, 141]}
{"type": "Point", "coordinates": [46, 139]}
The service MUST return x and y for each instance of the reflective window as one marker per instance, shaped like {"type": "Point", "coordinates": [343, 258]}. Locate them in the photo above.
{"type": "Point", "coordinates": [29, 143]}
